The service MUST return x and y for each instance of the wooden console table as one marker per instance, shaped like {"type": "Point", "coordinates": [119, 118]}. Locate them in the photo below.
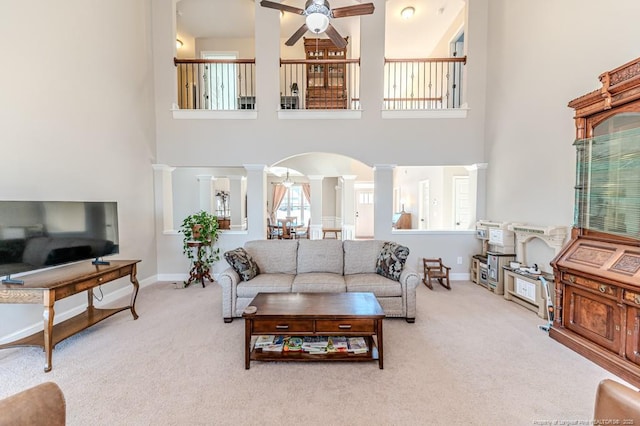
{"type": "Point", "coordinates": [47, 287]}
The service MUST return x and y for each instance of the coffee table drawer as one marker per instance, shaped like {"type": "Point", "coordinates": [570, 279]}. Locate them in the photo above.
{"type": "Point", "coordinates": [282, 326]}
{"type": "Point", "coordinates": [344, 326]}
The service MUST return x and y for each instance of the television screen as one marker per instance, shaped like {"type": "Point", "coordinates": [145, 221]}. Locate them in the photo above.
{"type": "Point", "coordinates": [41, 234]}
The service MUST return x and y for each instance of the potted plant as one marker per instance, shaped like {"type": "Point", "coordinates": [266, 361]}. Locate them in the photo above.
{"type": "Point", "coordinates": [200, 232]}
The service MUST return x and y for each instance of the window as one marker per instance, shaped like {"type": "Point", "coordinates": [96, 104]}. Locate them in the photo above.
{"type": "Point", "coordinates": [295, 204]}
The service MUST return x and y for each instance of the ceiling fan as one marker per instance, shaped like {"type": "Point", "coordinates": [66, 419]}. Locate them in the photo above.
{"type": "Point", "coordinates": [318, 15]}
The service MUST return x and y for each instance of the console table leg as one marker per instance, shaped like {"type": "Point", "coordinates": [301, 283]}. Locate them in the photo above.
{"type": "Point", "coordinates": [134, 295]}
{"type": "Point", "coordinates": [49, 299]}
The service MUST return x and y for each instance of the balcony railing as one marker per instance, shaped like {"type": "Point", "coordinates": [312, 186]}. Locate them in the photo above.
{"type": "Point", "coordinates": [216, 84]}
{"type": "Point", "coordinates": [423, 84]}
{"type": "Point", "coordinates": [319, 84]}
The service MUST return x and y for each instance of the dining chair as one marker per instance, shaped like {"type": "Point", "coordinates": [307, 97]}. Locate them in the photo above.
{"type": "Point", "coordinates": [273, 232]}
{"type": "Point", "coordinates": [303, 232]}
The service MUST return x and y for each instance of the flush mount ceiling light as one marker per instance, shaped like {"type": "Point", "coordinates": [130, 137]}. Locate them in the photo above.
{"type": "Point", "coordinates": [407, 12]}
{"type": "Point", "coordinates": [179, 43]}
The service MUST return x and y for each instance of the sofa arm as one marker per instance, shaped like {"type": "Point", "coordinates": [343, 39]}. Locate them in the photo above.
{"type": "Point", "coordinates": [228, 280]}
{"type": "Point", "coordinates": [43, 404]}
{"type": "Point", "coordinates": [409, 280]}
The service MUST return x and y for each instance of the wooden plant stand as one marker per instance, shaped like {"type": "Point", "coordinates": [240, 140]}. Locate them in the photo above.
{"type": "Point", "coordinates": [199, 270]}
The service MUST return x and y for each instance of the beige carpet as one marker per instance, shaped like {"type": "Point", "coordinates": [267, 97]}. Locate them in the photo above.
{"type": "Point", "coordinates": [471, 358]}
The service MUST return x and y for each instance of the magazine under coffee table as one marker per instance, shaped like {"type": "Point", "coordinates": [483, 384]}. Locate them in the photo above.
{"type": "Point", "coordinates": [315, 314]}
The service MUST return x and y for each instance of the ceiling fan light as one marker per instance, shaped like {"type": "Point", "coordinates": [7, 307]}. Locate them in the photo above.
{"type": "Point", "coordinates": [317, 22]}
{"type": "Point", "coordinates": [407, 12]}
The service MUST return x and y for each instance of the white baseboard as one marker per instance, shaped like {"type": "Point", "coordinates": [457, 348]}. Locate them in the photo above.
{"type": "Point", "coordinates": [70, 313]}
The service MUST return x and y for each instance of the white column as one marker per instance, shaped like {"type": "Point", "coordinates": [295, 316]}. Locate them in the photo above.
{"type": "Point", "coordinates": [256, 201]}
{"type": "Point", "coordinates": [267, 54]}
{"type": "Point", "coordinates": [371, 59]}
{"type": "Point", "coordinates": [163, 187]}
{"type": "Point", "coordinates": [478, 191]}
{"type": "Point", "coordinates": [315, 183]}
{"type": "Point", "coordinates": [237, 193]}
{"type": "Point", "coordinates": [383, 198]}
{"type": "Point", "coordinates": [348, 207]}
{"type": "Point", "coordinates": [205, 192]}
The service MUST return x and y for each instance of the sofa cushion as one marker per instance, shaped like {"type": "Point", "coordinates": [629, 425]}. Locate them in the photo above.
{"type": "Point", "coordinates": [360, 256]}
{"type": "Point", "coordinates": [274, 256]}
{"type": "Point", "coordinates": [242, 263]}
{"type": "Point", "coordinates": [265, 283]}
{"type": "Point", "coordinates": [320, 256]}
{"type": "Point", "coordinates": [319, 282]}
{"type": "Point", "coordinates": [376, 284]}
{"type": "Point", "coordinates": [391, 260]}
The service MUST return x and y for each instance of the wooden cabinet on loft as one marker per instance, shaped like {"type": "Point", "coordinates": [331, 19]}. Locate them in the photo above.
{"type": "Point", "coordinates": [326, 81]}
{"type": "Point", "coordinates": [597, 273]}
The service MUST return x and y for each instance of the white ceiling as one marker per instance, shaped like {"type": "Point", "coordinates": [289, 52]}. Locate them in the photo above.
{"type": "Point", "coordinates": [235, 19]}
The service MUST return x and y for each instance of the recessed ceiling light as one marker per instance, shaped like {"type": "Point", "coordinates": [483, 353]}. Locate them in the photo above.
{"type": "Point", "coordinates": [407, 12]}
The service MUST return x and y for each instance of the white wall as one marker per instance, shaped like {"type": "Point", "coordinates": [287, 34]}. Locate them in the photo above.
{"type": "Point", "coordinates": [76, 119]}
{"type": "Point", "coordinates": [542, 55]}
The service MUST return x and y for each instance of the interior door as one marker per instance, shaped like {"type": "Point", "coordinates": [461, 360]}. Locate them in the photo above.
{"type": "Point", "coordinates": [461, 208]}
{"type": "Point", "coordinates": [423, 206]}
{"type": "Point", "coordinates": [364, 213]}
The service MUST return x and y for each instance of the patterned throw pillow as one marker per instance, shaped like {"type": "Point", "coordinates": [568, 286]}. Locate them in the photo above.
{"type": "Point", "coordinates": [242, 263]}
{"type": "Point", "coordinates": [391, 260]}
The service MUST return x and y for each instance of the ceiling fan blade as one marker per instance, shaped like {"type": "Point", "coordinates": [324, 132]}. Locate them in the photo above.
{"type": "Point", "coordinates": [359, 9]}
{"type": "Point", "coordinates": [335, 37]}
{"type": "Point", "coordinates": [296, 36]}
{"type": "Point", "coordinates": [280, 6]}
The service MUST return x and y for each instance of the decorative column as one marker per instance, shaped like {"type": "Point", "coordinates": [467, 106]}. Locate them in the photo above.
{"type": "Point", "coordinates": [205, 192]}
{"type": "Point", "coordinates": [315, 184]}
{"type": "Point", "coordinates": [383, 196]}
{"type": "Point", "coordinates": [163, 189]}
{"type": "Point", "coordinates": [256, 191]}
{"type": "Point", "coordinates": [348, 207]}
{"type": "Point", "coordinates": [237, 193]}
{"type": "Point", "coordinates": [477, 191]}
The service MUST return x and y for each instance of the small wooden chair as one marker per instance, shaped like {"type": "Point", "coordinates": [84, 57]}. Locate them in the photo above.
{"type": "Point", "coordinates": [435, 269]}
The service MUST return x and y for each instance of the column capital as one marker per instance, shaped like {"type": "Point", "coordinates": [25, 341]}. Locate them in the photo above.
{"type": "Point", "coordinates": [477, 166]}
{"type": "Point", "coordinates": [163, 167]}
{"type": "Point", "coordinates": [255, 167]}
{"type": "Point", "coordinates": [384, 166]}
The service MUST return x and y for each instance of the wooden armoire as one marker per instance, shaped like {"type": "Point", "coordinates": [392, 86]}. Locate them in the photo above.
{"type": "Point", "coordinates": [597, 273]}
{"type": "Point", "coordinates": [326, 81]}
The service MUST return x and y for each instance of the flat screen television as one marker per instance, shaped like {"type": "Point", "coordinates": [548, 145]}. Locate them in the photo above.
{"type": "Point", "coordinates": [41, 234]}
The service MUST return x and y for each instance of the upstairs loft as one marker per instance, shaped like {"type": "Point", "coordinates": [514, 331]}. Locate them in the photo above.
{"type": "Point", "coordinates": [217, 76]}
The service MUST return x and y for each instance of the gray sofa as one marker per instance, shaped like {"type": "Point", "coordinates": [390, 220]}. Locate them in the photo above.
{"type": "Point", "coordinates": [318, 266]}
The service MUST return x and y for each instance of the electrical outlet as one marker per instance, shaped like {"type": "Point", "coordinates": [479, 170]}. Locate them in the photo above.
{"type": "Point", "coordinates": [459, 260]}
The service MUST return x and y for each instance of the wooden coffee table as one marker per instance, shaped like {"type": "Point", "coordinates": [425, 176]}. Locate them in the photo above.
{"type": "Point", "coordinates": [315, 314]}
